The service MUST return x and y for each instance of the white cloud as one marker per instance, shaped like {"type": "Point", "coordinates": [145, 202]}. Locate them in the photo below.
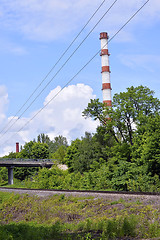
{"type": "Point", "coordinates": [63, 116]}
{"type": "Point", "coordinates": [3, 103]}
{"type": "Point", "coordinates": [44, 20]}
{"type": "Point", "coordinates": [123, 11]}
{"type": "Point", "coordinates": [18, 50]}
{"type": "Point", "coordinates": [145, 61]}
{"type": "Point", "coordinates": [10, 46]}
{"type": "Point", "coordinates": [153, 10]}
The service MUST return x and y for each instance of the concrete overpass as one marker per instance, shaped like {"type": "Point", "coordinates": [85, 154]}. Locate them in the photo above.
{"type": "Point", "coordinates": [11, 163]}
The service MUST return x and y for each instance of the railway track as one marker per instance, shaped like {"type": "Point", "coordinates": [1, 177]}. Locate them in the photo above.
{"type": "Point", "coordinates": [104, 194]}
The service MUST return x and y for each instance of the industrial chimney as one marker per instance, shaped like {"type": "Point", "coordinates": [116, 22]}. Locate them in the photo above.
{"type": "Point", "coordinates": [17, 147]}
{"type": "Point", "coordinates": [106, 85]}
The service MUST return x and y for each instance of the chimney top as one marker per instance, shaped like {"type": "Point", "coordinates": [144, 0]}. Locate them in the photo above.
{"type": "Point", "coordinates": [104, 35]}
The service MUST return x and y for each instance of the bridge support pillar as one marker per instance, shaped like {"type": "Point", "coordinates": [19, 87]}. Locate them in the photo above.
{"type": "Point", "coordinates": [10, 175]}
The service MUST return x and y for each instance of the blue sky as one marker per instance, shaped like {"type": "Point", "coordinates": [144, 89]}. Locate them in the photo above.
{"type": "Point", "coordinates": [34, 34]}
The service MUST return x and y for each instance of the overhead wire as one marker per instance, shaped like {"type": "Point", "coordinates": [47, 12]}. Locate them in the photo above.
{"type": "Point", "coordinates": [60, 68]}
{"type": "Point", "coordinates": [62, 55]}
{"type": "Point", "coordinates": [128, 20]}
{"type": "Point", "coordinates": [84, 66]}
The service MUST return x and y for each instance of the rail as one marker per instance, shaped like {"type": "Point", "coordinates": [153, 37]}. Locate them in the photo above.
{"type": "Point", "coordinates": [84, 191]}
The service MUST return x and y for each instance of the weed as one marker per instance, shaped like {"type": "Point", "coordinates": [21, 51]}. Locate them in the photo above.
{"type": "Point", "coordinates": [62, 197]}
{"type": "Point", "coordinates": [138, 202]}
{"type": "Point", "coordinates": [121, 200]}
{"type": "Point", "coordinates": [129, 226]}
{"type": "Point", "coordinates": [66, 217]}
{"type": "Point", "coordinates": [154, 229]}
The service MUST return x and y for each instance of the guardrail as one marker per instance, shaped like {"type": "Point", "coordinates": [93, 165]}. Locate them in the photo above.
{"type": "Point", "coordinates": [25, 160]}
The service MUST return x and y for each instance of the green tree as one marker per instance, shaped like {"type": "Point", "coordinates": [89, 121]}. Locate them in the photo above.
{"type": "Point", "coordinates": [57, 142]}
{"type": "Point", "coordinates": [26, 151]}
{"type": "Point", "coordinates": [85, 154]}
{"type": "Point", "coordinates": [40, 151]}
{"type": "Point", "coordinates": [147, 145]}
{"type": "Point", "coordinates": [60, 154]}
{"type": "Point", "coordinates": [42, 138]}
{"type": "Point", "coordinates": [71, 153]}
{"type": "Point", "coordinates": [31, 150]}
{"type": "Point", "coordinates": [34, 150]}
{"type": "Point", "coordinates": [11, 155]}
{"type": "Point", "coordinates": [54, 145]}
{"type": "Point", "coordinates": [129, 109]}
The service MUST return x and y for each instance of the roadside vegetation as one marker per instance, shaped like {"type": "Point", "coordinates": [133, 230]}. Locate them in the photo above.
{"type": "Point", "coordinates": [61, 217]}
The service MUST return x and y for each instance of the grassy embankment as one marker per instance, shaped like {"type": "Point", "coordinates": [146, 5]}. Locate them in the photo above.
{"type": "Point", "coordinates": [60, 217]}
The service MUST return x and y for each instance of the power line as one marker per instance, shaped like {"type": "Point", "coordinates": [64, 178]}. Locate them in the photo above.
{"type": "Point", "coordinates": [63, 54]}
{"type": "Point", "coordinates": [128, 20]}
{"type": "Point", "coordinates": [84, 66]}
{"type": "Point", "coordinates": [60, 67]}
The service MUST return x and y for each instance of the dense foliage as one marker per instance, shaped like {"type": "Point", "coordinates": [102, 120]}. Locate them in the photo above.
{"type": "Point", "coordinates": [123, 154]}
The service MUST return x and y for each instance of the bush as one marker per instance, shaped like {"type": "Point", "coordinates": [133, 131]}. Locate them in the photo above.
{"type": "Point", "coordinates": [3, 175]}
{"type": "Point", "coordinates": [30, 231]}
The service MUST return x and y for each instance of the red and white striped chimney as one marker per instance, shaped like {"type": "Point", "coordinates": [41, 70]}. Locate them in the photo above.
{"type": "Point", "coordinates": [106, 85]}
